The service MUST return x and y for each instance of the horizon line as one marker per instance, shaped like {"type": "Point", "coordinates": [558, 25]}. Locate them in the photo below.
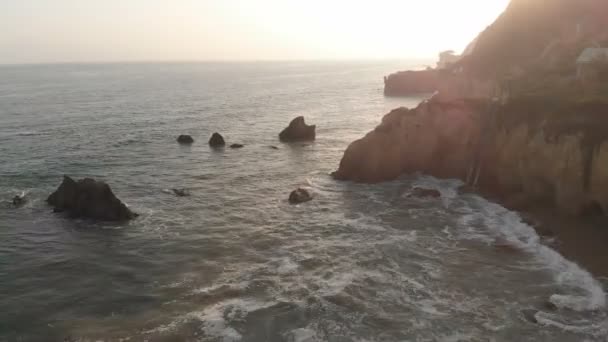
{"type": "Point", "coordinates": [215, 61]}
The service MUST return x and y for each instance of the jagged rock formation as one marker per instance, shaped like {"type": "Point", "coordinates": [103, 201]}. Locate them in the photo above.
{"type": "Point", "coordinates": [90, 199]}
{"type": "Point", "coordinates": [298, 130]}
{"type": "Point", "coordinates": [528, 151]}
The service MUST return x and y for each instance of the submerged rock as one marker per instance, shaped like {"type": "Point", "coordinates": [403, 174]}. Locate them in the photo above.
{"type": "Point", "coordinates": [185, 139]}
{"type": "Point", "coordinates": [530, 315]}
{"type": "Point", "coordinates": [237, 146]}
{"type": "Point", "coordinates": [90, 199]}
{"type": "Point", "coordinates": [19, 200]}
{"type": "Point", "coordinates": [181, 192]}
{"type": "Point", "coordinates": [217, 140]}
{"type": "Point", "coordinates": [422, 193]}
{"type": "Point", "coordinates": [274, 147]}
{"type": "Point", "coordinates": [298, 130]}
{"type": "Point", "coordinates": [299, 195]}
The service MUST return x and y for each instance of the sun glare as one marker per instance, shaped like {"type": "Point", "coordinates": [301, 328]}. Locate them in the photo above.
{"type": "Point", "coordinates": [238, 30]}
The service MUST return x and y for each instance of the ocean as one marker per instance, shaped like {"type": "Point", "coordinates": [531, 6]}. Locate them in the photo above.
{"type": "Point", "coordinates": [235, 261]}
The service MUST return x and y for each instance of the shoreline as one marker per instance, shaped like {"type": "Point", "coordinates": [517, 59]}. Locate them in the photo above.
{"type": "Point", "coordinates": [580, 240]}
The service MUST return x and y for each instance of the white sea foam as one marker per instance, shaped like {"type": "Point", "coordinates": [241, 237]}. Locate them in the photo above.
{"type": "Point", "coordinates": [548, 319]}
{"type": "Point", "coordinates": [508, 226]}
{"type": "Point", "coordinates": [215, 319]}
{"type": "Point", "coordinates": [302, 335]}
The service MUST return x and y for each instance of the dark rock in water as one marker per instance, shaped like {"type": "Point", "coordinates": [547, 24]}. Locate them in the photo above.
{"type": "Point", "coordinates": [185, 139]}
{"type": "Point", "coordinates": [298, 130]}
{"type": "Point", "coordinates": [547, 305]}
{"type": "Point", "coordinates": [274, 147]}
{"type": "Point", "coordinates": [299, 195]}
{"type": "Point", "coordinates": [237, 146]}
{"type": "Point", "coordinates": [89, 198]}
{"type": "Point", "coordinates": [181, 192]}
{"type": "Point", "coordinates": [19, 200]}
{"type": "Point", "coordinates": [217, 140]}
{"type": "Point", "coordinates": [422, 193]}
{"type": "Point", "coordinates": [530, 315]}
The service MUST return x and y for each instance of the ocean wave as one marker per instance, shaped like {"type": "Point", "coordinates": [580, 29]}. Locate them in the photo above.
{"type": "Point", "coordinates": [505, 225]}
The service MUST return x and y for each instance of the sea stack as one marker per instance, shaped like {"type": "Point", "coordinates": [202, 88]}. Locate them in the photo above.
{"type": "Point", "coordinates": [298, 130]}
{"type": "Point", "coordinates": [217, 140]}
{"type": "Point", "coordinates": [89, 198]}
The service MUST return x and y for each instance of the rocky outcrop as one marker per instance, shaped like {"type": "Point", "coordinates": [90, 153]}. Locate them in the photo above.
{"type": "Point", "coordinates": [529, 151]}
{"type": "Point", "coordinates": [298, 130]}
{"type": "Point", "coordinates": [185, 139]}
{"type": "Point", "coordinates": [434, 138]}
{"type": "Point", "coordinates": [300, 195]}
{"type": "Point", "coordinates": [217, 140]}
{"type": "Point", "coordinates": [411, 82]}
{"type": "Point", "coordinates": [89, 198]}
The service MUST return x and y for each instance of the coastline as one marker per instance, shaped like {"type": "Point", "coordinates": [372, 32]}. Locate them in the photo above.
{"type": "Point", "coordinates": [581, 240]}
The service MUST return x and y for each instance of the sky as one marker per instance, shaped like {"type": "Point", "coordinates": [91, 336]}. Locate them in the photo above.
{"type": "Point", "coordinates": [50, 31]}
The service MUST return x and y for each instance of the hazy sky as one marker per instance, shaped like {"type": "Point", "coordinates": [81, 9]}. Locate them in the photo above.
{"type": "Point", "coordinates": [33, 31]}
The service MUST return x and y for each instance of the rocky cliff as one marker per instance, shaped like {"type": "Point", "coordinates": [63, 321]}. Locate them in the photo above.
{"type": "Point", "coordinates": [528, 37]}
{"type": "Point", "coordinates": [526, 152]}
{"type": "Point", "coordinates": [526, 147]}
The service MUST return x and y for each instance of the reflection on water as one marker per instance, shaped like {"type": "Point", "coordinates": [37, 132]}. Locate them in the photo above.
{"type": "Point", "coordinates": [234, 261]}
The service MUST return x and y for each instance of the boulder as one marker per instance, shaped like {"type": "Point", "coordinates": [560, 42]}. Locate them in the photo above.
{"type": "Point", "coordinates": [422, 193]}
{"type": "Point", "coordinates": [298, 130]}
{"type": "Point", "coordinates": [237, 146]}
{"type": "Point", "coordinates": [89, 198]}
{"type": "Point", "coordinates": [299, 195]}
{"type": "Point", "coordinates": [217, 140]}
{"type": "Point", "coordinates": [185, 139]}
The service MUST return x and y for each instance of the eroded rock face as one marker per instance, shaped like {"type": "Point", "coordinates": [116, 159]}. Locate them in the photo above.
{"type": "Point", "coordinates": [435, 138]}
{"type": "Point", "coordinates": [411, 82]}
{"type": "Point", "coordinates": [89, 198]}
{"type": "Point", "coordinates": [185, 139]}
{"type": "Point", "coordinates": [526, 154]}
{"type": "Point", "coordinates": [299, 195]}
{"type": "Point", "coordinates": [217, 140]}
{"type": "Point", "coordinates": [298, 130]}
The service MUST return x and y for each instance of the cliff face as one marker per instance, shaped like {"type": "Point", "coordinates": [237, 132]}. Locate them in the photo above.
{"type": "Point", "coordinates": [546, 147]}
{"type": "Point", "coordinates": [524, 152]}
